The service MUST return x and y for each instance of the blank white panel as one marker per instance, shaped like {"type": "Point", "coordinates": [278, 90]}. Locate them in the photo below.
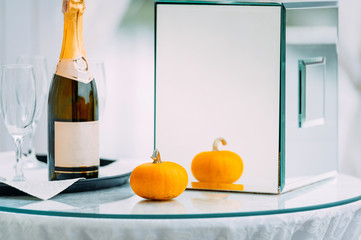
{"type": "Point", "coordinates": [217, 75]}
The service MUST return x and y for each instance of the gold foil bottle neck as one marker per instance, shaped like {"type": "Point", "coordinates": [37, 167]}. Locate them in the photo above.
{"type": "Point", "coordinates": [73, 45]}
{"type": "Point", "coordinates": [73, 6]}
{"type": "Point", "coordinates": [73, 63]}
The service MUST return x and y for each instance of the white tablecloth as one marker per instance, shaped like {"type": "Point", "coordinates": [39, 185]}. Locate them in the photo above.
{"type": "Point", "coordinates": [341, 222]}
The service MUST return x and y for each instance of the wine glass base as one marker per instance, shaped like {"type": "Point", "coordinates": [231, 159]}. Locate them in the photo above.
{"type": "Point", "coordinates": [31, 162]}
{"type": "Point", "coordinates": [19, 178]}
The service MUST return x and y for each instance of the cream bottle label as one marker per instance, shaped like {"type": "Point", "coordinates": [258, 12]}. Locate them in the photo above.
{"type": "Point", "coordinates": [76, 69]}
{"type": "Point", "coordinates": [76, 144]}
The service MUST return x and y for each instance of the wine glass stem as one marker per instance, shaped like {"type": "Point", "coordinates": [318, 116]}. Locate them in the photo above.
{"type": "Point", "coordinates": [28, 145]}
{"type": "Point", "coordinates": [19, 175]}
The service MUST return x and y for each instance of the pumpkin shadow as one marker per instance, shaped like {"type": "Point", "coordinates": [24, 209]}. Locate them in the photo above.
{"type": "Point", "coordinates": [156, 207]}
{"type": "Point", "coordinates": [217, 202]}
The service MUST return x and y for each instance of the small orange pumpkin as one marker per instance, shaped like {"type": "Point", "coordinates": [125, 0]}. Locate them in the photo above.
{"type": "Point", "coordinates": [217, 166]}
{"type": "Point", "coordinates": [159, 180]}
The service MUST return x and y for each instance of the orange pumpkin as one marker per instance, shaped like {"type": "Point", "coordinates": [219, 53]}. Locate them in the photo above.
{"type": "Point", "coordinates": [217, 166]}
{"type": "Point", "coordinates": [159, 180]}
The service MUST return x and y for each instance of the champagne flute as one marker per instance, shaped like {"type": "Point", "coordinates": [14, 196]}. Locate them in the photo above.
{"type": "Point", "coordinates": [97, 68]}
{"type": "Point", "coordinates": [17, 106]}
{"type": "Point", "coordinates": [42, 88]}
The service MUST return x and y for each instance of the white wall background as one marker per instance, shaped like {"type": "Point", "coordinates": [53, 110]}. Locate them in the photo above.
{"type": "Point", "coordinates": [121, 33]}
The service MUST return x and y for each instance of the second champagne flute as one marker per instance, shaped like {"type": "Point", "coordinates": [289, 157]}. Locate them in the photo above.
{"type": "Point", "coordinates": [42, 88]}
{"type": "Point", "coordinates": [98, 69]}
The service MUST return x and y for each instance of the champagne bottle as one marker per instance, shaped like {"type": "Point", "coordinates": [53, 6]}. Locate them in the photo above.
{"type": "Point", "coordinates": [73, 130]}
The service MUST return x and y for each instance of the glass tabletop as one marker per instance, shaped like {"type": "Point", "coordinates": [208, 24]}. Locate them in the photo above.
{"type": "Point", "coordinates": [121, 203]}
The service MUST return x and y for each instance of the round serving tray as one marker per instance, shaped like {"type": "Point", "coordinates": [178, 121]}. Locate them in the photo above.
{"type": "Point", "coordinates": [82, 185]}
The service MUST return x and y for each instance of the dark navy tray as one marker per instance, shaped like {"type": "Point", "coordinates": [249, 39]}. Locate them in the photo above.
{"type": "Point", "coordinates": [80, 186]}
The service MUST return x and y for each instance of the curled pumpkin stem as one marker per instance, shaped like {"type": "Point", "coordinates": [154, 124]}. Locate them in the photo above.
{"type": "Point", "coordinates": [215, 143]}
{"type": "Point", "coordinates": [156, 156]}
